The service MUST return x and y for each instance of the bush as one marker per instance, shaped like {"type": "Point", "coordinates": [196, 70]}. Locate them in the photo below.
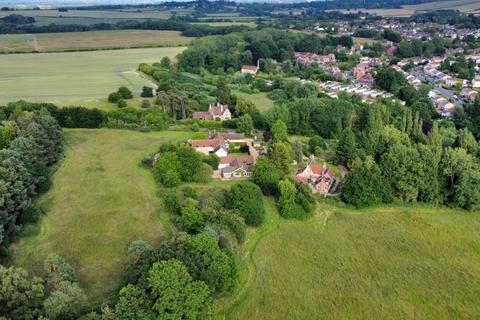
{"type": "Point", "coordinates": [114, 97]}
{"type": "Point", "coordinates": [147, 92]}
{"type": "Point", "coordinates": [125, 93]}
{"type": "Point", "coordinates": [191, 219]}
{"type": "Point", "coordinates": [212, 160]}
{"type": "Point", "coordinates": [189, 192]}
{"type": "Point", "coordinates": [121, 103]}
{"type": "Point", "coordinates": [172, 202]}
{"type": "Point", "coordinates": [80, 117]}
{"type": "Point", "coordinates": [247, 198]}
{"type": "Point", "coordinates": [167, 170]}
{"type": "Point", "coordinates": [145, 104]}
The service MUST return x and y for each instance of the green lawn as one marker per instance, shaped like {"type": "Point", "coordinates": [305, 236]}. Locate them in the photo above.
{"type": "Point", "coordinates": [260, 99]}
{"type": "Point", "coordinates": [387, 263]}
{"type": "Point", "coordinates": [77, 76]}
{"type": "Point", "coordinates": [100, 201]}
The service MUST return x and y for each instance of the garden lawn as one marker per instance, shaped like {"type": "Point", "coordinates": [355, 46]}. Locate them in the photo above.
{"type": "Point", "coordinates": [56, 77]}
{"type": "Point", "coordinates": [100, 201]}
{"type": "Point", "coordinates": [387, 263]}
{"type": "Point", "coordinates": [260, 99]}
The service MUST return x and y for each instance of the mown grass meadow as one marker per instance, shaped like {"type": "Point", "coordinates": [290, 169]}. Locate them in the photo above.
{"type": "Point", "coordinates": [386, 263]}
{"type": "Point", "coordinates": [101, 200]}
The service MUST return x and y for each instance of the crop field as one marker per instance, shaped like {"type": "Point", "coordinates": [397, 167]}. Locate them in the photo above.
{"type": "Point", "coordinates": [385, 263]}
{"type": "Point", "coordinates": [71, 41]}
{"type": "Point", "coordinates": [56, 77]}
{"type": "Point", "coordinates": [100, 201]}
{"type": "Point", "coordinates": [103, 14]}
{"type": "Point", "coordinates": [469, 6]}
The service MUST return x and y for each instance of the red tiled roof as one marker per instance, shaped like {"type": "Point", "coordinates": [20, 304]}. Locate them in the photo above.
{"type": "Point", "coordinates": [229, 159]}
{"type": "Point", "coordinates": [205, 143]}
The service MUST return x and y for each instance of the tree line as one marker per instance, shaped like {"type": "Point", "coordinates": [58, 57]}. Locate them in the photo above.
{"type": "Point", "coordinates": [31, 143]}
{"type": "Point", "coordinates": [18, 24]}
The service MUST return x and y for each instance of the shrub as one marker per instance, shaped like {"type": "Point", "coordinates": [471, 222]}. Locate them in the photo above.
{"type": "Point", "coordinates": [121, 103]}
{"type": "Point", "coordinates": [114, 97]}
{"type": "Point", "coordinates": [247, 198]}
{"type": "Point", "coordinates": [125, 93]}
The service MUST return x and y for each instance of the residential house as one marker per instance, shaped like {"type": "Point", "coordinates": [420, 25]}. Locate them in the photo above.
{"type": "Point", "coordinates": [229, 137]}
{"type": "Point", "coordinates": [246, 69]}
{"type": "Point", "coordinates": [307, 58]}
{"type": "Point", "coordinates": [238, 168]}
{"type": "Point", "coordinates": [319, 178]}
{"type": "Point", "coordinates": [469, 94]}
{"type": "Point", "coordinates": [215, 112]}
{"type": "Point", "coordinates": [451, 82]}
{"type": "Point", "coordinates": [216, 146]}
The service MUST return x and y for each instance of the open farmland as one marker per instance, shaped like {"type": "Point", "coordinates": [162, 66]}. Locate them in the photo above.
{"type": "Point", "coordinates": [102, 14]}
{"type": "Point", "coordinates": [101, 200]}
{"type": "Point", "coordinates": [93, 40]}
{"type": "Point", "coordinates": [74, 75]}
{"type": "Point", "coordinates": [386, 263]}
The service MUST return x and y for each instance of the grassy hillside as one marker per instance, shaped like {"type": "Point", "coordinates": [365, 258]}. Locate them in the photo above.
{"type": "Point", "coordinates": [71, 41]}
{"type": "Point", "coordinates": [74, 76]}
{"type": "Point", "coordinates": [100, 201]}
{"type": "Point", "coordinates": [387, 263]}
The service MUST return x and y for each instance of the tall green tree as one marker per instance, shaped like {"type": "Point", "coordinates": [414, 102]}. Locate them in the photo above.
{"type": "Point", "coordinates": [364, 185]}
{"type": "Point", "coordinates": [175, 294]}
{"type": "Point", "coordinates": [346, 150]}
{"type": "Point", "coordinates": [20, 296]}
{"type": "Point", "coordinates": [246, 197]}
{"type": "Point", "coordinates": [280, 155]}
{"type": "Point", "coordinates": [279, 131]}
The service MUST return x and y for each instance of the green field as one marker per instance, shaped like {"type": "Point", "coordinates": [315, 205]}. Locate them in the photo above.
{"type": "Point", "coordinates": [260, 99]}
{"type": "Point", "coordinates": [387, 263]}
{"type": "Point", "coordinates": [74, 76]}
{"type": "Point", "coordinates": [92, 40]}
{"type": "Point", "coordinates": [103, 14]}
{"type": "Point", "coordinates": [101, 200]}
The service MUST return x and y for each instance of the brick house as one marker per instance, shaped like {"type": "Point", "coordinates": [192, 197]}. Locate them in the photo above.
{"type": "Point", "coordinates": [215, 112]}
{"type": "Point", "coordinates": [319, 178]}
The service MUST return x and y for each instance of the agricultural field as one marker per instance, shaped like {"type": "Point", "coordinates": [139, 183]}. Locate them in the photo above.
{"type": "Point", "coordinates": [74, 76]}
{"type": "Point", "coordinates": [94, 40]}
{"type": "Point", "coordinates": [468, 6]}
{"type": "Point", "coordinates": [99, 14]}
{"type": "Point", "coordinates": [101, 200]}
{"type": "Point", "coordinates": [383, 263]}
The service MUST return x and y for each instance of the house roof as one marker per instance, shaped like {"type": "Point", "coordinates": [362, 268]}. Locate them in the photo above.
{"type": "Point", "coordinates": [237, 164]}
{"type": "Point", "coordinates": [252, 68]}
{"type": "Point", "coordinates": [229, 159]}
{"type": "Point", "coordinates": [206, 143]}
{"type": "Point", "coordinates": [230, 136]}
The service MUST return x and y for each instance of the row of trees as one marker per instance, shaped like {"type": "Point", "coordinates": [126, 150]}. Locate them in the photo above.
{"type": "Point", "coordinates": [81, 117]}
{"type": "Point", "coordinates": [31, 143]}
{"type": "Point", "coordinates": [21, 24]}
{"type": "Point", "coordinates": [230, 52]}
{"type": "Point", "coordinates": [393, 159]}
